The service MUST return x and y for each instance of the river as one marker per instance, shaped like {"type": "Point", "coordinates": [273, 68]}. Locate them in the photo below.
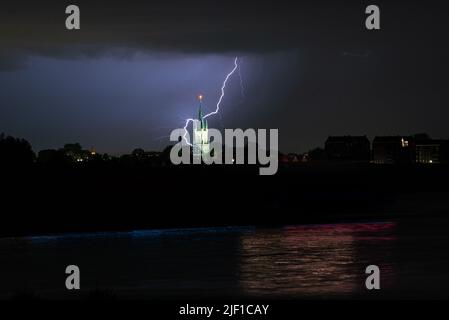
{"type": "Point", "coordinates": [311, 261]}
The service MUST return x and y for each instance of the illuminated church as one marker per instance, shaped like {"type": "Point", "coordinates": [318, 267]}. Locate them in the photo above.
{"type": "Point", "coordinates": [200, 133]}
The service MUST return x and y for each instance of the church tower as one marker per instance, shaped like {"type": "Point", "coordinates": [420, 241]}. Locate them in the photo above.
{"type": "Point", "coordinates": [200, 133]}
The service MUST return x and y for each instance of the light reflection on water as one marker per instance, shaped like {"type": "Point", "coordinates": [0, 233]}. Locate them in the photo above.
{"type": "Point", "coordinates": [318, 259]}
{"type": "Point", "coordinates": [293, 261]}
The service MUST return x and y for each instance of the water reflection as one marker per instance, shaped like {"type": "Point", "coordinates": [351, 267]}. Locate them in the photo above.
{"type": "Point", "coordinates": [314, 260]}
{"type": "Point", "coordinates": [296, 261]}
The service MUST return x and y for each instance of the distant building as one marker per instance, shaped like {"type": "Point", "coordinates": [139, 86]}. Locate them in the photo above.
{"type": "Point", "coordinates": [291, 158]}
{"type": "Point", "coordinates": [305, 157]}
{"type": "Point", "coordinates": [349, 148]}
{"type": "Point", "coordinates": [432, 151]}
{"type": "Point", "coordinates": [200, 133]}
{"type": "Point", "coordinates": [393, 149]}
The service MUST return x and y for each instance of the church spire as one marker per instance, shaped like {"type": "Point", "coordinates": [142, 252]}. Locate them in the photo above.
{"type": "Point", "coordinates": [200, 132]}
{"type": "Point", "coordinates": [200, 112]}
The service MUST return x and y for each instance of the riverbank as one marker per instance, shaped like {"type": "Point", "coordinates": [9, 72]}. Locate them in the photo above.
{"type": "Point", "coordinates": [42, 200]}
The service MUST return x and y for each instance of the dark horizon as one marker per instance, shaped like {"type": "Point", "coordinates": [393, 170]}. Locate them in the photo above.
{"type": "Point", "coordinates": [321, 146]}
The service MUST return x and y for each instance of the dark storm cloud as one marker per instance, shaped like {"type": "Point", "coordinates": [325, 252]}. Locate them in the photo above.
{"type": "Point", "coordinates": [38, 27]}
{"type": "Point", "coordinates": [10, 61]}
{"type": "Point", "coordinates": [192, 27]}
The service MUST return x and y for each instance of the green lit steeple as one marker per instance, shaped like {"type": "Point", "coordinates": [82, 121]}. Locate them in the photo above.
{"type": "Point", "coordinates": [203, 122]}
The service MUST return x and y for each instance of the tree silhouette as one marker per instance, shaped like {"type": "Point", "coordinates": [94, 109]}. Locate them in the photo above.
{"type": "Point", "coordinates": [15, 152]}
{"type": "Point", "coordinates": [53, 157]}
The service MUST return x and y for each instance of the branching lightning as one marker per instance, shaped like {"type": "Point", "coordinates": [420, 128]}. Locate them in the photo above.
{"type": "Point", "coordinates": [217, 108]}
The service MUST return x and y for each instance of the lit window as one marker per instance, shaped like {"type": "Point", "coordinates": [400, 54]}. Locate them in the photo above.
{"type": "Point", "coordinates": [404, 143]}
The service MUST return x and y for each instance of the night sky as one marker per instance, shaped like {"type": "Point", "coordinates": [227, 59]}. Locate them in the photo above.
{"type": "Point", "coordinates": [133, 71]}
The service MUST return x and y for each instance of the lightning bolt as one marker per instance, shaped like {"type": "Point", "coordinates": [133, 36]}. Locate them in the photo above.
{"type": "Point", "coordinates": [242, 87]}
{"type": "Point", "coordinates": [217, 108]}
{"type": "Point", "coordinates": [185, 131]}
{"type": "Point", "coordinates": [223, 88]}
